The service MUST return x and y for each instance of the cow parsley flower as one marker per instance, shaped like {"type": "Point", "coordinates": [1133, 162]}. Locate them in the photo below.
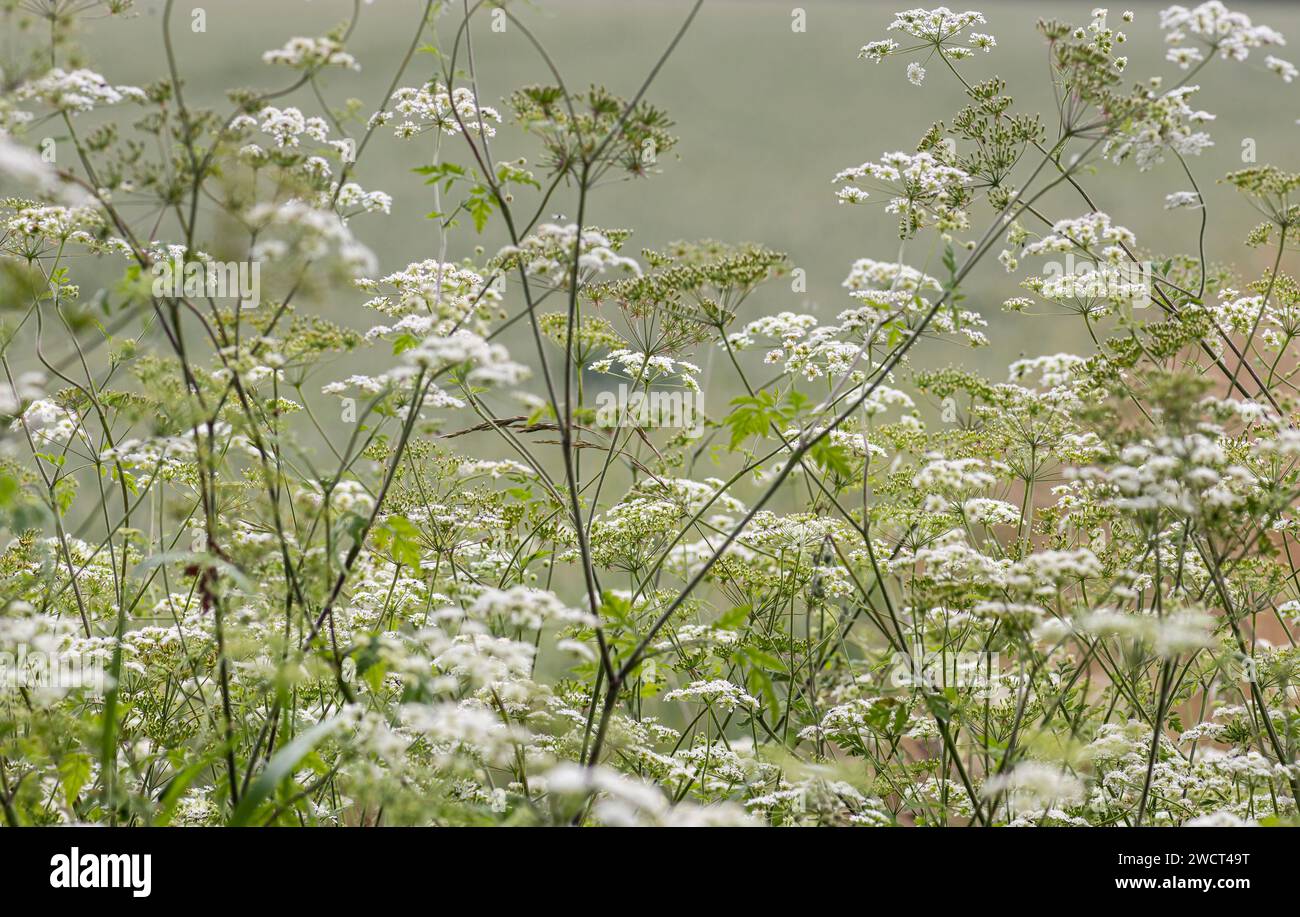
{"type": "Point", "coordinates": [431, 297]}
{"type": "Point", "coordinates": [878, 50]}
{"type": "Point", "coordinates": [935, 26]}
{"type": "Point", "coordinates": [352, 197]}
{"type": "Point", "coordinates": [486, 363]}
{"type": "Point", "coordinates": [432, 107]}
{"type": "Point", "coordinates": [1035, 785]}
{"type": "Point", "coordinates": [77, 91]}
{"type": "Point", "coordinates": [309, 232]}
{"type": "Point", "coordinates": [1182, 199]}
{"type": "Point", "coordinates": [1166, 122]}
{"type": "Point", "coordinates": [1217, 29]}
{"type": "Point", "coordinates": [48, 423]}
{"type": "Point", "coordinates": [547, 253]}
{"type": "Point", "coordinates": [1282, 68]}
{"type": "Point", "coordinates": [288, 125]}
{"type": "Point", "coordinates": [718, 691]}
{"type": "Point", "coordinates": [987, 511]}
{"type": "Point", "coordinates": [1091, 234]}
{"type": "Point", "coordinates": [311, 54]}
{"type": "Point", "coordinates": [927, 191]}
{"type": "Point", "coordinates": [527, 608]}
{"type": "Point", "coordinates": [648, 368]}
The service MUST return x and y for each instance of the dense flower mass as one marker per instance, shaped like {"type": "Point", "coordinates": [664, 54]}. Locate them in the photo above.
{"type": "Point", "coordinates": [433, 107]}
{"type": "Point", "coordinates": [555, 530]}
{"type": "Point", "coordinates": [310, 54]}
{"type": "Point", "coordinates": [926, 190]}
{"type": "Point", "coordinates": [76, 91]}
{"type": "Point", "coordinates": [1216, 29]}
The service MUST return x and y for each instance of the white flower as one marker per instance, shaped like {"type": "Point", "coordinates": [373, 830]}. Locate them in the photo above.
{"type": "Point", "coordinates": [315, 233]}
{"type": "Point", "coordinates": [867, 273]}
{"type": "Point", "coordinates": [1182, 199]}
{"type": "Point", "coordinates": [1218, 29]}
{"type": "Point", "coordinates": [431, 297]}
{"type": "Point", "coordinates": [28, 387]}
{"type": "Point", "coordinates": [623, 801]}
{"type": "Point", "coordinates": [355, 198]}
{"type": "Point", "coordinates": [311, 54]}
{"type": "Point", "coordinates": [345, 496]}
{"type": "Point", "coordinates": [488, 363]}
{"type": "Point", "coordinates": [1167, 123]}
{"type": "Point", "coordinates": [289, 125]}
{"type": "Point", "coordinates": [527, 608]}
{"type": "Point", "coordinates": [944, 474]}
{"type": "Point", "coordinates": [1184, 57]}
{"type": "Point", "coordinates": [648, 368]}
{"type": "Point", "coordinates": [547, 253]}
{"type": "Point", "coordinates": [937, 25]}
{"type": "Point", "coordinates": [1282, 68]}
{"type": "Point", "coordinates": [1219, 819]}
{"type": "Point", "coordinates": [878, 50]}
{"type": "Point", "coordinates": [1093, 234]}
{"type": "Point", "coordinates": [465, 728]}
{"type": "Point", "coordinates": [30, 170]}
{"type": "Point", "coordinates": [1054, 370]}
{"type": "Point", "coordinates": [1035, 785]}
{"type": "Point", "coordinates": [78, 91]}
{"type": "Point", "coordinates": [431, 107]}
{"type": "Point", "coordinates": [48, 423]}
{"type": "Point", "coordinates": [991, 512]}
{"type": "Point", "coordinates": [928, 190]}
{"type": "Point", "coordinates": [719, 691]}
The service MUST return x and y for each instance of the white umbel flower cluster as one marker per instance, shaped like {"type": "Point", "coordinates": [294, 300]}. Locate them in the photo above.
{"type": "Point", "coordinates": [77, 91]}
{"type": "Point", "coordinates": [311, 54]}
{"type": "Point", "coordinates": [1211, 26]}
{"type": "Point", "coordinates": [432, 107]}
{"type": "Point", "coordinates": [547, 253]}
{"type": "Point", "coordinates": [926, 191]}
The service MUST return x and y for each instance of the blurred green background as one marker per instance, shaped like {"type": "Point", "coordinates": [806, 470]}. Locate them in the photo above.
{"type": "Point", "coordinates": [766, 116]}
